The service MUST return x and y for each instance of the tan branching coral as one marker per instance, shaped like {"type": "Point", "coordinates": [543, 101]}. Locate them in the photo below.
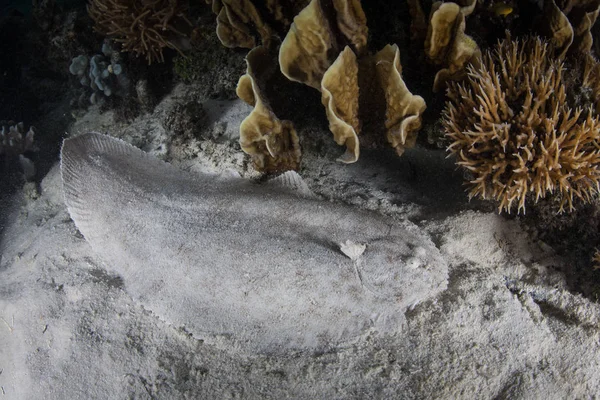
{"type": "Point", "coordinates": [512, 129]}
{"type": "Point", "coordinates": [446, 43]}
{"type": "Point", "coordinates": [273, 144]}
{"type": "Point", "coordinates": [404, 110]}
{"type": "Point", "coordinates": [142, 27]}
{"type": "Point", "coordinates": [590, 82]}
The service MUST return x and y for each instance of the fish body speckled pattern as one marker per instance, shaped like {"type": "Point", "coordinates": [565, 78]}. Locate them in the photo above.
{"type": "Point", "coordinates": [257, 264]}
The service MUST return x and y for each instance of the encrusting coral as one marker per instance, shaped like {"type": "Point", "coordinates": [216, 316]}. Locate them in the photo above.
{"type": "Point", "coordinates": [142, 27]}
{"type": "Point", "coordinates": [514, 129]}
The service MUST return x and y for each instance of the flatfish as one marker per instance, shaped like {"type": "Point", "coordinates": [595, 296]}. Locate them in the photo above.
{"type": "Point", "coordinates": [268, 266]}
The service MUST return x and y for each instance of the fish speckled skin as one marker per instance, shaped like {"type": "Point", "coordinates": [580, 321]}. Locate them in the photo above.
{"type": "Point", "coordinates": [258, 264]}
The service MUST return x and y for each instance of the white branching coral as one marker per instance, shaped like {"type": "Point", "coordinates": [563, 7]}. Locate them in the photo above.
{"type": "Point", "coordinates": [511, 126]}
{"type": "Point", "coordinates": [14, 143]}
{"type": "Point", "coordinates": [13, 138]}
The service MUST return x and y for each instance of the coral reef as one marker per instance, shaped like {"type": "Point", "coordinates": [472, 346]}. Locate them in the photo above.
{"type": "Point", "coordinates": [403, 110]}
{"type": "Point", "coordinates": [143, 27]}
{"type": "Point", "coordinates": [513, 128]}
{"type": "Point", "coordinates": [339, 88]}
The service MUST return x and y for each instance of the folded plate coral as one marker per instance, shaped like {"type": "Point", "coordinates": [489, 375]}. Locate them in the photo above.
{"type": "Point", "coordinates": [263, 266]}
{"type": "Point", "coordinates": [568, 24]}
{"type": "Point", "coordinates": [273, 144]}
{"type": "Point", "coordinates": [515, 127]}
{"type": "Point", "coordinates": [327, 50]}
{"type": "Point", "coordinates": [240, 23]}
{"type": "Point", "coordinates": [446, 43]}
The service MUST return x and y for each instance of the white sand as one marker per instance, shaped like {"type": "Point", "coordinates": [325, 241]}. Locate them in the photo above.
{"type": "Point", "coordinates": [507, 325]}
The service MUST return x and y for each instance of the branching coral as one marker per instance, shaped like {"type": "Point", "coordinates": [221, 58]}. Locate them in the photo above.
{"type": "Point", "coordinates": [144, 27]}
{"type": "Point", "coordinates": [14, 143]}
{"type": "Point", "coordinates": [513, 128]}
{"type": "Point", "coordinates": [13, 138]}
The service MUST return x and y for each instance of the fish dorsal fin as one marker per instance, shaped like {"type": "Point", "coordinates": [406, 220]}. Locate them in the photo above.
{"type": "Point", "coordinates": [229, 174]}
{"type": "Point", "coordinates": [293, 182]}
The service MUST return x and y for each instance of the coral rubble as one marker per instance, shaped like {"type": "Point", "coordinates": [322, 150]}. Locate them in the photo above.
{"type": "Point", "coordinates": [515, 130]}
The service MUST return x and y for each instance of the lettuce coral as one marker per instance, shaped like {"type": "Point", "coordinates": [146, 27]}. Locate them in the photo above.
{"type": "Point", "coordinates": [515, 128]}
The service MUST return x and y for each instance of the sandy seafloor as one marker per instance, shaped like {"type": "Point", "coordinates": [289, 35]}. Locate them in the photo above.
{"type": "Point", "coordinates": [508, 326]}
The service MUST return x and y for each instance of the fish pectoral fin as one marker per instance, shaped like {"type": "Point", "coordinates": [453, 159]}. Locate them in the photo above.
{"type": "Point", "coordinates": [352, 250]}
